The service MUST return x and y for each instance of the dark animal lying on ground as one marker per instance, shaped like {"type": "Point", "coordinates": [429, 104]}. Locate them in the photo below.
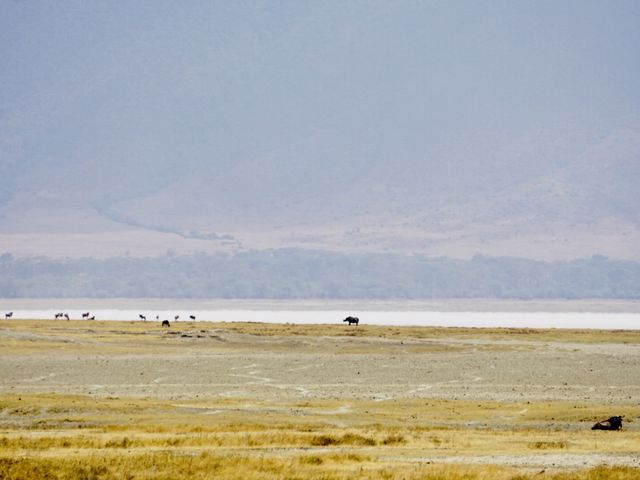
{"type": "Point", "coordinates": [165, 323]}
{"type": "Point", "coordinates": [351, 320]}
{"type": "Point", "coordinates": [613, 423]}
{"type": "Point", "coordinates": [8, 315]}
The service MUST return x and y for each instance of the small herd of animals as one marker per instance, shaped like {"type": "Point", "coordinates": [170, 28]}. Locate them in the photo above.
{"type": "Point", "coordinates": [88, 316]}
{"type": "Point", "coordinates": [165, 323]}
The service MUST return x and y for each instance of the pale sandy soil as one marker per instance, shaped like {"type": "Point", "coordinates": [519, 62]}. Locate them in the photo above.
{"type": "Point", "coordinates": [190, 361]}
{"type": "Point", "coordinates": [215, 362]}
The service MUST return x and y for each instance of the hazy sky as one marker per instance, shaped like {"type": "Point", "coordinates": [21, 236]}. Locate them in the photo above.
{"type": "Point", "coordinates": [159, 88]}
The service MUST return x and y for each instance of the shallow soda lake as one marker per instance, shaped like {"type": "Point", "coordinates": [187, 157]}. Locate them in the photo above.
{"type": "Point", "coordinates": [598, 314]}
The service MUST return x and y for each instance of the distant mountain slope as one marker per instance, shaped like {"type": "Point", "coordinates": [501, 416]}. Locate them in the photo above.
{"type": "Point", "coordinates": [362, 126]}
{"type": "Point", "coordinates": [596, 185]}
{"type": "Point", "coordinates": [586, 206]}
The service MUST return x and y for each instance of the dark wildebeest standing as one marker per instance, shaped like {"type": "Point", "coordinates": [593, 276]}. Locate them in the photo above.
{"type": "Point", "coordinates": [8, 315]}
{"type": "Point", "coordinates": [176, 317]}
{"type": "Point", "coordinates": [66, 315]}
{"type": "Point", "coordinates": [142, 317]}
{"type": "Point", "coordinates": [165, 323]}
{"type": "Point", "coordinates": [613, 423]}
{"type": "Point", "coordinates": [85, 315]}
{"type": "Point", "coordinates": [59, 315]}
{"type": "Point", "coordinates": [351, 320]}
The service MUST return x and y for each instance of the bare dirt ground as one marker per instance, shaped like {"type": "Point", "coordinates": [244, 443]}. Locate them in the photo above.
{"type": "Point", "coordinates": [363, 363]}
{"type": "Point", "coordinates": [576, 377]}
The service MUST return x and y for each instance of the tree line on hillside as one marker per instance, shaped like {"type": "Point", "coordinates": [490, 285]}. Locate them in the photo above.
{"type": "Point", "coordinates": [298, 274]}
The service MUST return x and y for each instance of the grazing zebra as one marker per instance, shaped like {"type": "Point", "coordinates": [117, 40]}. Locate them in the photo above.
{"type": "Point", "coordinates": [351, 320]}
{"type": "Point", "coordinates": [8, 315]}
{"type": "Point", "coordinates": [165, 323]}
{"type": "Point", "coordinates": [142, 317]}
{"type": "Point", "coordinates": [192, 317]}
{"type": "Point", "coordinates": [85, 315]}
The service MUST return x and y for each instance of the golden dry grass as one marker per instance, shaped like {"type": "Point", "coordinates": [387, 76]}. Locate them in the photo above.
{"type": "Point", "coordinates": [62, 436]}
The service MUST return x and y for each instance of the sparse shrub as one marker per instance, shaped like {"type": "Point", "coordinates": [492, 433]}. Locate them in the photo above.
{"type": "Point", "coordinates": [323, 441]}
{"type": "Point", "coordinates": [349, 457]}
{"type": "Point", "coordinates": [124, 442]}
{"type": "Point", "coordinates": [346, 439]}
{"type": "Point", "coordinates": [353, 439]}
{"type": "Point", "coordinates": [548, 445]}
{"type": "Point", "coordinates": [92, 472]}
{"type": "Point", "coordinates": [393, 439]}
{"type": "Point", "coordinates": [311, 460]}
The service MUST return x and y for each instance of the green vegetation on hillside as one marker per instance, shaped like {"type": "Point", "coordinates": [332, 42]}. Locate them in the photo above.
{"type": "Point", "coordinates": [292, 274]}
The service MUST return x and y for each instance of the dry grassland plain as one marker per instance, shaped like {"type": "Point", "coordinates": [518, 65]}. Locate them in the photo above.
{"type": "Point", "coordinates": [107, 400]}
